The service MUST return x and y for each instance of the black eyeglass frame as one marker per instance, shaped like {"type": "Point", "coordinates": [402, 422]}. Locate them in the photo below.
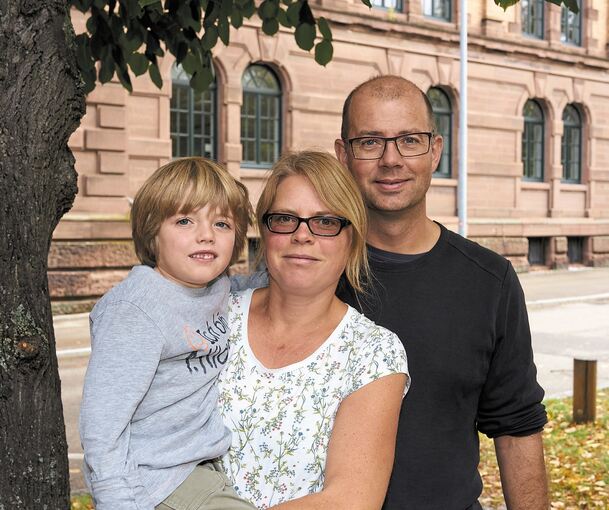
{"type": "Point", "coordinates": [394, 139]}
{"type": "Point", "coordinates": [266, 217]}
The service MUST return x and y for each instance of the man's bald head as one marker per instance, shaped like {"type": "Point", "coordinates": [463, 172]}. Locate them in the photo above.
{"type": "Point", "coordinates": [389, 87]}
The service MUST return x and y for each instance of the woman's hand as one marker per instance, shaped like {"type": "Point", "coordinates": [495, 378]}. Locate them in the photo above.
{"type": "Point", "coordinates": [361, 450]}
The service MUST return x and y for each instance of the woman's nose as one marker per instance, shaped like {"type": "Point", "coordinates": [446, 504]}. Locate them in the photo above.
{"type": "Point", "coordinates": [302, 233]}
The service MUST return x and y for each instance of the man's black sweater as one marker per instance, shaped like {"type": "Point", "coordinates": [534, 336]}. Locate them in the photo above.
{"type": "Point", "coordinates": [460, 312]}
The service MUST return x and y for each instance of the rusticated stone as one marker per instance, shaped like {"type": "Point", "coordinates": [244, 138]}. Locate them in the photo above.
{"type": "Point", "coordinates": [599, 260]}
{"type": "Point", "coordinates": [600, 244]}
{"type": "Point", "coordinates": [91, 254]}
{"type": "Point", "coordinates": [83, 283]}
{"type": "Point", "coordinates": [560, 244]}
{"type": "Point", "coordinates": [72, 306]}
{"type": "Point", "coordinates": [520, 264]}
{"type": "Point", "coordinates": [506, 246]}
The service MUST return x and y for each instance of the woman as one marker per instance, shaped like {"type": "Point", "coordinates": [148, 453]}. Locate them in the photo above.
{"type": "Point", "coordinates": [313, 389]}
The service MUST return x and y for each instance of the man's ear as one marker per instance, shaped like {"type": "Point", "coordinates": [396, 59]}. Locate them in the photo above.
{"type": "Point", "coordinates": [436, 151]}
{"type": "Point", "coordinates": [341, 151]}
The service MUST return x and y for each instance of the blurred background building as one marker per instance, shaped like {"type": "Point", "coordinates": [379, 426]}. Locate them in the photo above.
{"type": "Point", "coordinates": [538, 152]}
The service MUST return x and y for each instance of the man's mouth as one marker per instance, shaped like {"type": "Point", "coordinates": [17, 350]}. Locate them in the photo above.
{"type": "Point", "coordinates": [391, 184]}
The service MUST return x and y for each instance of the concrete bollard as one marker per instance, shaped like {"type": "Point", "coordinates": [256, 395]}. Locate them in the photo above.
{"type": "Point", "coordinates": [584, 390]}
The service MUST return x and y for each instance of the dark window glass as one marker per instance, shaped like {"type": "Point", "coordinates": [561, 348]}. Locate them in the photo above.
{"type": "Point", "coordinates": [260, 117]}
{"type": "Point", "coordinates": [537, 251]}
{"type": "Point", "coordinates": [532, 18]}
{"type": "Point", "coordinates": [396, 5]}
{"type": "Point", "coordinates": [571, 26]}
{"type": "Point", "coordinates": [571, 153]}
{"type": "Point", "coordinates": [575, 249]}
{"type": "Point", "coordinates": [444, 118]}
{"type": "Point", "coordinates": [440, 9]}
{"type": "Point", "coordinates": [533, 142]}
{"type": "Point", "coordinates": [192, 118]}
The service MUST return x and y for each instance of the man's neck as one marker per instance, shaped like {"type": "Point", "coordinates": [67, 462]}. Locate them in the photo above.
{"type": "Point", "coordinates": [401, 232]}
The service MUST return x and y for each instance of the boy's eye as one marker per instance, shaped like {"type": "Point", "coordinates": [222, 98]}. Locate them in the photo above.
{"type": "Point", "coordinates": [223, 224]}
{"type": "Point", "coordinates": [183, 221]}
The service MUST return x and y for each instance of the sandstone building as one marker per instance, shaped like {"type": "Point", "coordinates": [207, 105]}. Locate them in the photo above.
{"type": "Point", "coordinates": [538, 153]}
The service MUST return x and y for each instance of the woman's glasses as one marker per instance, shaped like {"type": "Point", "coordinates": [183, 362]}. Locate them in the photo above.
{"type": "Point", "coordinates": [325, 226]}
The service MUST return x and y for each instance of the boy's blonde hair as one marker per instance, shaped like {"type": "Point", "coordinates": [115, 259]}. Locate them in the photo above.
{"type": "Point", "coordinates": [183, 186]}
{"type": "Point", "coordinates": [337, 190]}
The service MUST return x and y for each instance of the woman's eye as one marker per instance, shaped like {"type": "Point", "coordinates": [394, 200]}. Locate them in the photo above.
{"type": "Point", "coordinates": [283, 219]}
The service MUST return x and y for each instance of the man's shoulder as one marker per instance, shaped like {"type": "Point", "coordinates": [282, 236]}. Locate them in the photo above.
{"type": "Point", "coordinates": [475, 256]}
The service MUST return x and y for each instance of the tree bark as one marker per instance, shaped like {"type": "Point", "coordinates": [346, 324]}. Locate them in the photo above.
{"type": "Point", "coordinates": [41, 104]}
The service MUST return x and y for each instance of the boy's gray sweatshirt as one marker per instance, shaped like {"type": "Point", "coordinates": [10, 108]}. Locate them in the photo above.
{"type": "Point", "coordinates": [149, 411]}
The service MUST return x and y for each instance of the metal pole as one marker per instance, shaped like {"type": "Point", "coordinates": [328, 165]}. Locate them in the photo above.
{"type": "Point", "coordinates": [462, 183]}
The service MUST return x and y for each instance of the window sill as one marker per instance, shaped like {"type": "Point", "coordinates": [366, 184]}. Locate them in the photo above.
{"type": "Point", "coordinates": [539, 185]}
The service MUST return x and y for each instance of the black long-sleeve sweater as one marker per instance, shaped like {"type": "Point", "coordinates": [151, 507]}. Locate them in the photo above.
{"type": "Point", "coordinates": [460, 312]}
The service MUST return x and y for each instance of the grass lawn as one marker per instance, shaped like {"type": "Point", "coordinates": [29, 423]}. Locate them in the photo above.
{"type": "Point", "coordinates": [577, 459]}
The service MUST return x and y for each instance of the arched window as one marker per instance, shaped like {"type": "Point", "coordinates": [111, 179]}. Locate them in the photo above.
{"type": "Point", "coordinates": [533, 141]}
{"type": "Point", "coordinates": [260, 117]}
{"type": "Point", "coordinates": [193, 118]}
{"type": "Point", "coordinates": [571, 145]}
{"type": "Point", "coordinates": [532, 21]}
{"type": "Point", "coordinates": [444, 118]}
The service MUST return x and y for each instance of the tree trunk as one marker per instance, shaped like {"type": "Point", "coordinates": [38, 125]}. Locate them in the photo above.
{"type": "Point", "coordinates": [41, 103]}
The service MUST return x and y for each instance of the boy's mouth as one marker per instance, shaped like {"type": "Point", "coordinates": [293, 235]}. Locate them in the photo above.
{"type": "Point", "coordinates": [203, 255]}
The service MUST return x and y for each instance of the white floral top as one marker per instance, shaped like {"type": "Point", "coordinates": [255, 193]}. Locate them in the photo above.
{"type": "Point", "coordinates": [282, 418]}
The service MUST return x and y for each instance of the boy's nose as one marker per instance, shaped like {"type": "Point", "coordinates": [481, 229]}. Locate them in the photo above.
{"type": "Point", "coordinates": [205, 234]}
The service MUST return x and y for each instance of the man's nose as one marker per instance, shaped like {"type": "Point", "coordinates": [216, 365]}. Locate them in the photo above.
{"type": "Point", "coordinates": [391, 157]}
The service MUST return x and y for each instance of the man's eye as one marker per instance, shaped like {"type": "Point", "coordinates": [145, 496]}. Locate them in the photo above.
{"type": "Point", "coordinates": [411, 140]}
{"type": "Point", "coordinates": [370, 142]}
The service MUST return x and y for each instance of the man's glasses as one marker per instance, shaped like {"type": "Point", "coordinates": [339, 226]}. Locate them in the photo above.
{"type": "Point", "coordinates": [325, 226]}
{"type": "Point", "coordinates": [373, 147]}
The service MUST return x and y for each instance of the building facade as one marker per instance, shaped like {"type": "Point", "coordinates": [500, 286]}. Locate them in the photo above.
{"type": "Point", "coordinates": [538, 121]}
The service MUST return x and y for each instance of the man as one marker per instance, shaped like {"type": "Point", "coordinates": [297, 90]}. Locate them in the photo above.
{"type": "Point", "coordinates": [458, 308]}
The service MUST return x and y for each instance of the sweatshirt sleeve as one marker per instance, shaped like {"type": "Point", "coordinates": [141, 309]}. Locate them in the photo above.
{"type": "Point", "coordinates": [252, 281]}
{"type": "Point", "coordinates": [126, 349]}
{"type": "Point", "coordinates": [510, 403]}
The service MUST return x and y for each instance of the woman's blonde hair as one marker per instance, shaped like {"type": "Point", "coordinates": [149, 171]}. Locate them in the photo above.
{"type": "Point", "coordinates": [183, 186]}
{"type": "Point", "coordinates": [337, 190]}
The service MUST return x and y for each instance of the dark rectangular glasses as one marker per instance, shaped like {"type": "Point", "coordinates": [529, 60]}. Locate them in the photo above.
{"type": "Point", "coordinates": [325, 226]}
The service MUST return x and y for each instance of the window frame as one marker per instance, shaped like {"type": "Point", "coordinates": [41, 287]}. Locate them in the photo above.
{"type": "Point", "coordinates": [399, 5]}
{"type": "Point", "coordinates": [448, 9]}
{"type": "Point", "coordinates": [530, 123]}
{"type": "Point", "coordinates": [527, 18]}
{"type": "Point", "coordinates": [567, 19]}
{"type": "Point", "coordinates": [180, 80]}
{"type": "Point", "coordinates": [257, 93]}
{"type": "Point", "coordinates": [446, 112]}
{"type": "Point", "coordinates": [568, 129]}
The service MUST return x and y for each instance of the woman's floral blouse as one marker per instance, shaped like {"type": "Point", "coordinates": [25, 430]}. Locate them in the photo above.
{"type": "Point", "coordinates": [282, 418]}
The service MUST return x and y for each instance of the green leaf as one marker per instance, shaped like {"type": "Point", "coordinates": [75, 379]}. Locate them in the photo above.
{"type": "Point", "coordinates": [572, 5]}
{"type": "Point", "coordinates": [155, 75]}
{"type": "Point", "coordinates": [324, 28]}
{"type": "Point", "coordinates": [81, 5]}
{"type": "Point", "coordinates": [236, 19]}
{"type": "Point", "coordinates": [282, 18]}
{"type": "Point", "coordinates": [146, 3]}
{"type": "Point", "coordinates": [367, 3]}
{"type": "Point", "coordinates": [270, 26]}
{"type": "Point", "coordinates": [507, 3]}
{"type": "Point", "coordinates": [190, 64]}
{"type": "Point", "coordinates": [224, 30]}
{"type": "Point", "coordinates": [201, 80]}
{"type": "Point", "coordinates": [305, 36]}
{"type": "Point", "coordinates": [268, 9]}
{"type": "Point", "coordinates": [210, 37]}
{"type": "Point", "coordinates": [293, 13]}
{"type": "Point", "coordinates": [306, 15]}
{"type": "Point", "coordinates": [138, 63]}
{"type": "Point", "coordinates": [249, 9]}
{"type": "Point", "coordinates": [226, 8]}
{"type": "Point", "coordinates": [106, 70]}
{"type": "Point", "coordinates": [123, 77]}
{"type": "Point", "coordinates": [323, 52]}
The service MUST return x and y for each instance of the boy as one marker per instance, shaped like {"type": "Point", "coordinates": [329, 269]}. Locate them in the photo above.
{"type": "Point", "coordinates": [149, 422]}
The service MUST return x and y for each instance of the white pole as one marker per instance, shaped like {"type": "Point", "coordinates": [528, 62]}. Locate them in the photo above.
{"type": "Point", "coordinates": [462, 183]}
